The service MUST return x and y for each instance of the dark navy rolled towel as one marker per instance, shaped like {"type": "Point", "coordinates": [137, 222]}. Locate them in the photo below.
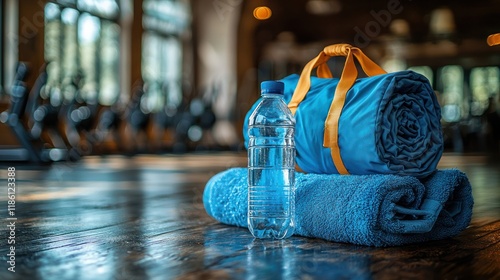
{"type": "Point", "coordinates": [373, 210]}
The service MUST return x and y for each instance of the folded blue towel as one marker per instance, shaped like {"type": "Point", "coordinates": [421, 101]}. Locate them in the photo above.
{"type": "Point", "coordinates": [374, 210]}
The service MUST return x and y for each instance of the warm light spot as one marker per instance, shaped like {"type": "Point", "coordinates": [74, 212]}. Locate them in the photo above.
{"type": "Point", "coordinates": [262, 13]}
{"type": "Point", "coordinates": [494, 39]}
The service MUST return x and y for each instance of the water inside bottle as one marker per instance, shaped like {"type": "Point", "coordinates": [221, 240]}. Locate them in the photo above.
{"type": "Point", "coordinates": [271, 183]}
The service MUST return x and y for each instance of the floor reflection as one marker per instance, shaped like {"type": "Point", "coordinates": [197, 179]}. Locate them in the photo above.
{"type": "Point", "coordinates": [143, 218]}
{"type": "Point", "coordinates": [235, 250]}
{"type": "Point", "coordinates": [98, 225]}
{"type": "Point", "coordinates": [484, 176]}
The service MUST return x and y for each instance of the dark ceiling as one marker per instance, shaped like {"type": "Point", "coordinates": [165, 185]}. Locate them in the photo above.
{"type": "Point", "coordinates": [473, 19]}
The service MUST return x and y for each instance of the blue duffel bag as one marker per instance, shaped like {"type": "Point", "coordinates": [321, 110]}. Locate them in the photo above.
{"type": "Point", "coordinates": [386, 123]}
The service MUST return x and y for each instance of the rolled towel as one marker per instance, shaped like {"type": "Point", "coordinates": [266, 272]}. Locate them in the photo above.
{"type": "Point", "coordinates": [390, 124]}
{"type": "Point", "coordinates": [373, 210]}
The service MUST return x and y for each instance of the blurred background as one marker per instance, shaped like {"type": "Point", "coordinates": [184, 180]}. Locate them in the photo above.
{"type": "Point", "coordinates": [82, 77]}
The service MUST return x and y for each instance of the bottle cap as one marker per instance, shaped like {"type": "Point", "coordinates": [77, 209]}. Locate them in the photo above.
{"type": "Point", "coordinates": [272, 87]}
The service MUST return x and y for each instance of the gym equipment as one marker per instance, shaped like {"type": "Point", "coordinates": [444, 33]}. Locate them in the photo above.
{"type": "Point", "coordinates": [13, 118]}
{"type": "Point", "coordinates": [137, 119]}
{"type": "Point", "coordinates": [203, 118]}
{"type": "Point", "coordinates": [46, 117]}
{"type": "Point", "coordinates": [81, 119]}
{"type": "Point", "coordinates": [110, 122]}
{"type": "Point", "coordinates": [32, 148]}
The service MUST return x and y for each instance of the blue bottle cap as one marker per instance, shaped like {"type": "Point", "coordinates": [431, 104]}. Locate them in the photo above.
{"type": "Point", "coordinates": [272, 87]}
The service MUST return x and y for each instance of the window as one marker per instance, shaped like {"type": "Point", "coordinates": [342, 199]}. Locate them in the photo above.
{"type": "Point", "coordinates": [1, 50]}
{"type": "Point", "coordinates": [450, 85]}
{"type": "Point", "coordinates": [484, 83]}
{"type": "Point", "coordinates": [161, 70]}
{"type": "Point", "coordinates": [110, 63]}
{"type": "Point", "coordinates": [82, 50]}
{"type": "Point", "coordinates": [53, 35]}
{"type": "Point", "coordinates": [163, 22]}
{"type": "Point", "coordinates": [69, 58]}
{"type": "Point", "coordinates": [89, 27]}
{"type": "Point", "coordinates": [9, 27]}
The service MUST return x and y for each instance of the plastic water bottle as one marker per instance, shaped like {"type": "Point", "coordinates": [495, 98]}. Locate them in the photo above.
{"type": "Point", "coordinates": [271, 165]}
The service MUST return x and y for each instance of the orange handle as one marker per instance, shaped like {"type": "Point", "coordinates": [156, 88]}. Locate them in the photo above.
{"type": "Point", "coordinates": [347, 79]}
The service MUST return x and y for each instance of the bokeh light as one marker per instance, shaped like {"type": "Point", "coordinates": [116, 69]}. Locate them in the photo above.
{"type": "Point", "coordinates": [262, 13]}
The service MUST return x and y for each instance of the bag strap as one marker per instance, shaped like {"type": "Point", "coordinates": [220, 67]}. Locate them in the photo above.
{"type": "Point", "coordinates": [347, 79]}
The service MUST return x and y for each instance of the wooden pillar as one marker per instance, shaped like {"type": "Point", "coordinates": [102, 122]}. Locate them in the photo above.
{"type": "Point", "coordinates": [246, 68]}
{"type": "Point", "coordinates": [31, 36]}
{"type": "Point", "coordinates": [136, 43]}
{"type": "Point", "coordinates": [126, 39]}
{"type": "Point", "coordinates": [216, 43]}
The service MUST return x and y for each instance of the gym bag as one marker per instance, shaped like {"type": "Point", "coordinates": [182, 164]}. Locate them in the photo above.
{"type": "Point", "coordinates": [386, 123]}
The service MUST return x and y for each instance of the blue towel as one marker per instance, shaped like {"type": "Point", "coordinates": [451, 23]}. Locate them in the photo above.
{"type": "Point", "coordinates": [390, 124]}
{"type": "Point", "coordinates": [374, 210]}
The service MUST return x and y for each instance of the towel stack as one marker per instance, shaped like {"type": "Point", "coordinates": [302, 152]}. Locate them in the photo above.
{"type": "Point", "coordinates": [373, 210]}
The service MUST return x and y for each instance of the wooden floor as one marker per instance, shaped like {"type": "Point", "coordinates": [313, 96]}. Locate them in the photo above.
{"type": "Point", "coordinates": [142, 217]}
